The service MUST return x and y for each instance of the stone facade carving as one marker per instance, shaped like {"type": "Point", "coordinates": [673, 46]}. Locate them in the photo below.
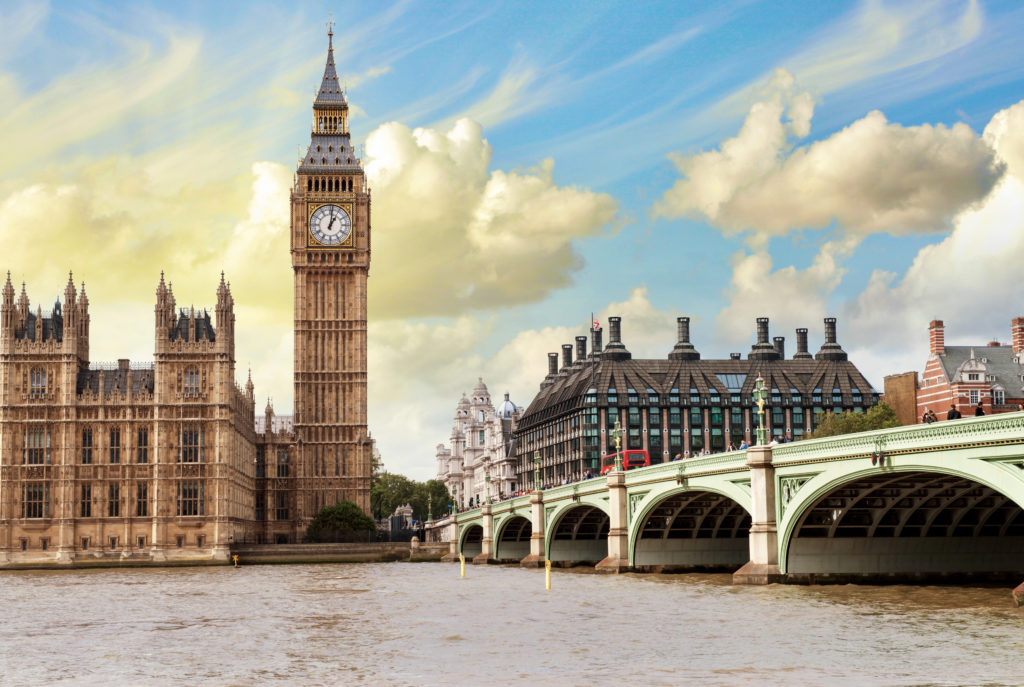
{"type": "Point", "coordinates": [481, 446]}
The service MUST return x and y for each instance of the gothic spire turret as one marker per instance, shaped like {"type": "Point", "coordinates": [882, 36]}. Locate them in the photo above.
{"type": "Point", "coordinates": [330, 148]}
{"type": "Point", "coordinates": [330, 92]}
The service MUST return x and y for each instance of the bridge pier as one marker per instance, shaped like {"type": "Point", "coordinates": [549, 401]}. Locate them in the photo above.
{"type": "Point", "coordinates": [536, 557]}
{"type": "Point", "coordinates": [618, 528]}
{"type": "Point", "coordinates": [453, 542]}
{"type": "Point", "coordinates": [763, 567]}
{"type": "Point", "coordinates": [487, 544]}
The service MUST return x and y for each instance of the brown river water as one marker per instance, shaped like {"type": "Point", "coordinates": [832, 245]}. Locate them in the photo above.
{"type": "Point", "coordinates": [421, 624]}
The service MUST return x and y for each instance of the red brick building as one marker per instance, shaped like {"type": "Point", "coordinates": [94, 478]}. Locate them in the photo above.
{"type": "Point", "coordinates": [991, 374]}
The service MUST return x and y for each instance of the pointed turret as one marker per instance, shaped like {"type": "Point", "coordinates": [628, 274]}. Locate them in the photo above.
{"type": "Point", "coordinates": [7, 309]}
{"type": "Point", "coordinates": [249, 388]}
{"type": "Point", "coordinates": [330, 89]}
{"type": "Point", "coordinates": [330, 149]}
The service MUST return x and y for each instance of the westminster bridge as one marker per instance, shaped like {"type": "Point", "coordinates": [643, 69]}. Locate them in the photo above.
{"type": "Point", "coordinates": [916, 502]}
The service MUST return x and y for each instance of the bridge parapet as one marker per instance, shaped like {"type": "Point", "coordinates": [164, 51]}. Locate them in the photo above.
{"type": "Point", "coordinates": [985, 431]}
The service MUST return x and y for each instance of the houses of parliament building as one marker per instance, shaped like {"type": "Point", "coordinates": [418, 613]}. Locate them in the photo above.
{"type": "Point", "coordinates": [167, 461]}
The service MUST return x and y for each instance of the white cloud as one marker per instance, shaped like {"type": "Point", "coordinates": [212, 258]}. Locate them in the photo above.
{"type": "Point", "coordinates": [870, 177]}
{"type": "Point", "coordinates": [460, 236]}
{"type": "Point", "coordinates": [970, 279]}
{"type": "Point", "coordinates": [757, 291]}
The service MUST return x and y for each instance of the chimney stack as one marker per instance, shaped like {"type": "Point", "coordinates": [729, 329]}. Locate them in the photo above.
{"type": "Point", "coordinates": [615, 349]}
{"type": "Point", "coordinates": [830, 350]}
{"type": "Point", "coordinates": [595, 344]}
{"type": "Point", "coordinates": [937, 338]}
{"type": "Point", "coordinates": [780, 346]}
{"type": "Point", "coordinates": [566, 356]}
{"type": "Point", "coordinates": [552, 364]}
{"type": "Point", "coordinates": [581, 349]}
{"type": "Point", "coordinates": [763, 349]}
{"type": "Point", "coordinates": [1017, 335]}
{"type": "Point", "coordinates": [683, 349]}
{"type": "Point", "coordinates": [801, 345]}
{"type": "Point", "coordinates": [830, 330]}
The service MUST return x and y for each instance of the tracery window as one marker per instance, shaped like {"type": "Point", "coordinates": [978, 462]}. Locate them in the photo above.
{"type": "Point", "coordinates": [192, 380]}
{"type": "Point", "coordinates": [37, 381]}
{"type": "Point", "coordinates": [191, 449]}
{"type": "Point", "coordinates": [190, 498]}
{"type": "Point", "coordinates": [37, 447]}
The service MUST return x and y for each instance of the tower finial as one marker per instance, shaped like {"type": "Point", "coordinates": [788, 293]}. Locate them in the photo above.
{"type": "Point", "coordinates": [330, 30]}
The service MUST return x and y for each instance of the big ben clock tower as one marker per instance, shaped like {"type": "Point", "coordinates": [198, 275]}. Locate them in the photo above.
{"type": "Point", "coordinates": [330, 246]}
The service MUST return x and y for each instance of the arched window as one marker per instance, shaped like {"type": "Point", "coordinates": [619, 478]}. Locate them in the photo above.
{"type": "Point", "coordinates": [37, 381]}
{"type": "Point", "coordinates": [309, 184]}
{"type": "Point", "coordinates": [191, 380]}
{"type": "Point", "coordinates": [316, 185]}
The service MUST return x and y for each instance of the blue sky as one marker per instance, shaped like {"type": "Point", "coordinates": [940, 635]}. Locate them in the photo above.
{"type": "Point", "coordinates": [531, 163]}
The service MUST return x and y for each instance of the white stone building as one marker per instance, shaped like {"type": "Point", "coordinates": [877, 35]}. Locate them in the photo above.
{"type": "Point", "coordinates": [481, 447]}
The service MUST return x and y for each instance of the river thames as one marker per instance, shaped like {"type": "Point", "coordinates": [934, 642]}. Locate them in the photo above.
{"type": "Point", "coordinates": [420, 624]}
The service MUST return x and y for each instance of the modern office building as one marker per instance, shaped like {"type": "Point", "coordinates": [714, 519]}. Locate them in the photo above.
{"type": "Point", "coordinates": [679, 405]}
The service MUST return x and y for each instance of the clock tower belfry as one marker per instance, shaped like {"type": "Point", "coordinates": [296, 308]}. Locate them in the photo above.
{"type": "Point", "coordinates": [330, 248]}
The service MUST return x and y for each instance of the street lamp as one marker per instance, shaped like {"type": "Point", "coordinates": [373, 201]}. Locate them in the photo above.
{"type": "Point", "coordinates": [536, 470]}
{"type": "Point", "coordinates": [760, 397]}
{"type": "Point", "coordinates": [430, 507]}
{"type": "Point", "coordinates": [487, 481]}
{"type": "Point", "coordinates": [617, 436]}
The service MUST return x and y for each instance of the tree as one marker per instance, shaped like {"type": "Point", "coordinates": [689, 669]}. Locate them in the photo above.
{"type": "Point", "coordinates": [880, 416]}
{"type": "Point", "coordinates": [389, 491]}
{"type": "Point", "coordinates": [344, 521]}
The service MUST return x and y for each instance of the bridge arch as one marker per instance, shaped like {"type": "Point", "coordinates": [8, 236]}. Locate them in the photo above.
{"type": "Point", "coordinates": [512, 538]}
{"type": "Point", "coordinates": [577, 533]}
{"type": "Point", "coordinates": [957, 517]}
{"type": "Point", "coordinates": [471, 540]}
{"type": "Point", "coordinates": [691, 527]}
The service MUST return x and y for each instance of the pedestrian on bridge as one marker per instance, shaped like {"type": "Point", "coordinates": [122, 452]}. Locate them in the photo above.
{"type": "Point", "coordinates": [953, 413]}
{"type": "Point", "coordinates": [979, 410]}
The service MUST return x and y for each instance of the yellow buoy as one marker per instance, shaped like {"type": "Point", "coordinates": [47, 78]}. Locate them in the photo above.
{"type": "Point", "coordinates": [462, 564]}
{"type": "Point", "coordinates": [547, 574]}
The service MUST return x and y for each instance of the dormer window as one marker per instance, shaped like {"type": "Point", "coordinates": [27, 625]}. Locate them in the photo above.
{"type": "Point", "coordinates": [973, 377]}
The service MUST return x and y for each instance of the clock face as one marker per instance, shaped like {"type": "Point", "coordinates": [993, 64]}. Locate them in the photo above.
{"type": "Point", "coordinates": [330, 225]}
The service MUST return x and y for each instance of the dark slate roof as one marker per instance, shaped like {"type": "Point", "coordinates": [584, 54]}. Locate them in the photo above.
{"type": "Point", "coordinates": [204, 327]}
{"type": "Point", "coordinates": [330, 153]}
{"type": "Point", "coordinates": [115, 381]}
{"type": "Point", "coordinates": [330, 90]}
{"type": "Point", "coordinates": [999, 361]}
{"type": "Point", "coordinates": [53, 326]}
{"type": "Point", "coordinates": [566, 390]}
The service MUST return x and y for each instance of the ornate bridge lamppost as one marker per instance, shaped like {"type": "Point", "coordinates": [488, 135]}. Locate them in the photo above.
{"type": "Point", "coordinates": [487, 482]}
{"type": "Point", "coordinates": [617, 436]}
{"type": "Point", "coordinates": [430, 507]}
{"type": "Point", "coordinates": [760, 398]}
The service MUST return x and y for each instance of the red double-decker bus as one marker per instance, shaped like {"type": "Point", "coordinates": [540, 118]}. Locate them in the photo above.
{"type": "Point", "coordinates": [630, 459]}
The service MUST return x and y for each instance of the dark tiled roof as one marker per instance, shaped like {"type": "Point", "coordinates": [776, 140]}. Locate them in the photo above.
{"type": "Point", "coordinates": [115, 381]}
{"type": "Point", "coordinates": [335, 154]}
{"type": "Point", "coordinates": [204, 327]}
{"type": "Point", "coordinates": [53, 326]}
{"type": "Point", "coordinates": [567, 390]}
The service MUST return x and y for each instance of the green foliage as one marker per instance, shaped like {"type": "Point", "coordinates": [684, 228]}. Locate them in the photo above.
{"type": "Point", "coordinates": [847, 422]}
{"type": "Point", "coordinates": [389, 491]}
{"type": "Point", "coordinates": [344, 521]}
